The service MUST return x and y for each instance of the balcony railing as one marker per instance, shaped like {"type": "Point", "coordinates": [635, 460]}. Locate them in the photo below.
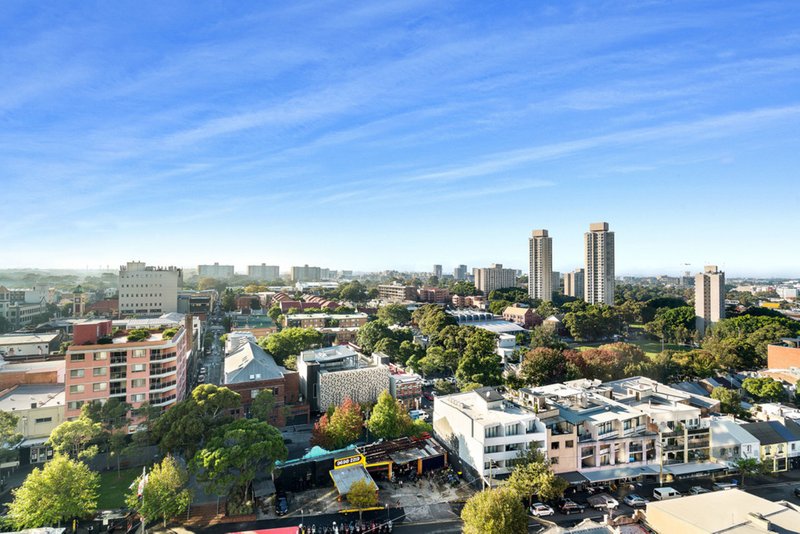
{"type": "Point", "coordinates": [154, 386]}
{"type": "Point", "coordinates": [156, 372]}
{"type": "Point", "coordinates": [157, 400]}
{"type": "Point", "coordinates": [117, 391]}
{"type": "Point", "coordinates": [160, 357]}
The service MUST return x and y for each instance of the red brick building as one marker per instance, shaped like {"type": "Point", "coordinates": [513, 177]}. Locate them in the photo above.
{"type": "Point", "coordinates": [784, 356]}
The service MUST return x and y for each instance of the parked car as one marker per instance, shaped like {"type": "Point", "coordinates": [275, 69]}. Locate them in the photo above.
{"type": "Point", "coordinates": [662, 494]}
{"type": "Point", "coordinates": [568, 506]}
{"type": "Point", "coordinates": [540, 509]}
{"type": "Point", "coordinates": [633, 500]}
{"type": "Point", "coordinates": [428, 396]}
{"type": "Point", "coordinates": [281, 504]}
{"type": "Point", "coordinates": [718, 486]}
{"type": "Point", "coordinates": [602, 501]}
{"type": "Point", "coordinates": [201, 379]}
{"type": "Point", "coordinates": [797, 491]}
{"type": "Point", "coordinates": [697, 490]}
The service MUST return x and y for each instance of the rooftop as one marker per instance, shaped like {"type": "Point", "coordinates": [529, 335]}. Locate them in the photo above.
{"type": "Point", "coordinates": [727, 432]}
{"type": "Point", "coordinates": [339, 316]}
{"type": "Point", "coordinates": [249, 362]}
{"type": "Point", "coordinates": [767, 432]}
{"type": "Point", "coordinates": [23, 396]}
{"type": "Point", "coordinates": [487, 406]}
{"type": "Point", "coordinates": [24, 339]}
{"type": "Point", "coordinates": [328, 354]}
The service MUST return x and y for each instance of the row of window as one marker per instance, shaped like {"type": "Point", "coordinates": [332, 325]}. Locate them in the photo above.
{"type": "Point", "coordinates": [136, 397]}
{"type": "Point", "coordinates": [103, 355]}
{"type": "Point", "coordinates": [103, 371]}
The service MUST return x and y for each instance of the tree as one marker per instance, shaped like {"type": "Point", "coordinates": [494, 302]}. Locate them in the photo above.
{"type": "Point", "coordinates": [536, 478]}
{"type": "Point", "coordinates": [431, 319]}
{"type": "Point", "coordinates": [443, 387]}
{"type": "Point", "coordinates": [339, 428]}
{"type": "Point", "coordinates": [353, 291]}
{"type": "Point", "coordinates": [290, 342]}
{"type": "Point", "coordinates": [748, 467]}
{"type": "Point", "coordinates": [228, 302]}
{"type": "Point", "coordinates": [494, 511]}
{"type": "Point", "coordinates": [741, 342]}
{"type": "Point", "coordinates": [5, 325]}
{"type": "Point", "coordinates": [8, 429]}
{"type": "Point", "coordinates": [543, 336]}
{"type": "Point", "coordinates": [189, 423]}
{"type": "Point", "coordinates": [675, 325]}
{"type": "Point", "coordinates": [138, 334]}
{"type": "Point", "coordinates": [766, 388]}
{"type": "Point", "coordinates": [274, 313]}
{"type": "Point", "coordinates": [263, 405]}
{"type": "Point", "coordinates": [389, 419]}
{"type": "Point", "coordinates": [543, 366]}
{"type": "Point", "coordinates": [729, 399]}
{"type": "Point", "coordinates": [235, 453]}
{"type": "Point", "coordinates": [61, 490]}
{"type": "Point", "coordinates": [370, 334]}
{"type": "Point", "coordinates": [362, 495]}
{"type": "Point", "coordinates": [72, 437]}
{"type": "Point", "coordinates": [463, 288]}
{"type": "Point", "coordinates": [607, 362]}
{"type": "Point", "coordinates": [480, 363]}
{"type": "Point", "coordinates": [165, 494]}
{"type": "Point", "coordinates": [596, 321]}
{"type": "Point", "coordinates": [394, 314]}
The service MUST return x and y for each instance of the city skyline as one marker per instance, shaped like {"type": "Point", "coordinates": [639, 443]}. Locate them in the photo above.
{"type": "Point", "coordinates": [400, 135]}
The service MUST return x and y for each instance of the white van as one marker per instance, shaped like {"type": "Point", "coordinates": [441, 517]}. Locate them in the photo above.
{"type": "Point", "coordinates": [662, 494]}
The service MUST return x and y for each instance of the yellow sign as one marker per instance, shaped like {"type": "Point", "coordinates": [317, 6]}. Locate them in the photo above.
{"type": "Point", "coordinates": [349, 460]}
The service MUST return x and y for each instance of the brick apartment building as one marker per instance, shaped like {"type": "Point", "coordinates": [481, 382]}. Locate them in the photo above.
{"type": "Point", "coordinates": [525, 317]}
{"type": "Point", "coordinates": [101, 365]}
{"type": "Point", "coordinates": [436, 295]}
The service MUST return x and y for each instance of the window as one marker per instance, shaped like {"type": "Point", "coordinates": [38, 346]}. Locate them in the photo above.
{"type": "Point", "coordinates": [489, 449]}
{"type": "Point", "coordinates": [78, 388]}
{"type": "Point", "coordinates": [99, 386]}
{"type": "Point", "coordinates": [99, 371]}
{"type": "Point", "coordinates": [76, 373]}
{"type": "Point", "coordinates": [98, 356]}
{"type": "Point", "coordinates": [138, 367]}
{"type": "Point", "coordinates": [512, 430]}
{"type": "Point", "coordinates": [137, 383]}
{"type": "Point", "coordinates": [74, 405]}
{"type": "Point", "coordinates": [492, 431]}
{"type": "Point", "coordinates": [254, 393]}
{"type": "Point", "coordinates": [42, 419]}
{"type": "Point", "coordinates": [138, 353]}
{"type": "Point", "coordinates": [569, 444]}
{"type": "Point", "coordinates": [554, 446]}
{"type": "Point", "coordinates": [137, 397]}
{"type": "Point", "coordinates": [77, 357]}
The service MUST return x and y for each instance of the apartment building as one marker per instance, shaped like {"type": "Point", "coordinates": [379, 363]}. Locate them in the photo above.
{"type": "Point", "coordinates": [709, 298]}
{"type": "Point", "coordinates": [146, 290]}
{"type": "Point", "coordinates": [101, 364]}
{"type": "Point", "coordinates": [773, 440]}
{"type": "Point", "coordinates": [486, 431]}
{"type": "Point", "coordinates": [397, 292]}
{"type": "Point", "coordinates": [264, 272]}
{"type": "Point", "coordinates": [599, 282]}
{"type": "Point", "coordinates": [494, 277]}
{"type": "Point", "coordinates": [330, 375]}
{"type": "Point", "coordinates": [220, 272]}
{"type": "Point", "coordinates": [573, 283]}
{"type": "Point", "coordinates": [436, 295]}
{"type": "Point", "coordinates": [306, 274]}
{"type": "Point", "coordinates": [460, 272]}
{"type": "Point", "coordinates": [730, 442]}
{"type": "Point", "coordinates": [406, 388]}
{"type": "Point", "coordinates": [325, 320]}
{"type": "Point", "coordinates": [540, 266]}
{"type": "Point", "coordinates": [437, 271]}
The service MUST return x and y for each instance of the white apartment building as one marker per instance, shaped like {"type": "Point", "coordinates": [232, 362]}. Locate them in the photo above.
{"type": "Point", "coordinates": [573, 283]}
{"type": "Point", "coordinates": [306, 274]}
{"type": "Point", "coordinates": [599, 283]}
{"type": "Point", "coordinates": [147, 290]}
{"type": "Point", "coordinates": [709, 298]}
{"type": "Point", "coordinates": [221, 272]}
{"type": "Point", "coordinates": [264, 272]}
{"type": "Point", "coordinates": [540, 266]}
{"type": "Point", "coordinates": [486, 431]}
{"type": "Point", "coordinates": [495, 277]}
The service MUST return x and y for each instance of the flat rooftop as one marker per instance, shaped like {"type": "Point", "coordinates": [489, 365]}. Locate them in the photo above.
{"type": "Point", "coordinates": [25, 339]}
{"type": "Point", "coordinates": [476, 408]}
{"type": "Point", "coordinates": [23, 396]}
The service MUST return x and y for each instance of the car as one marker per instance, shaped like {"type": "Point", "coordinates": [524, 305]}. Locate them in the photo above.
{"type": "Point", "coordinates": [281, 504]}
{"type": "Point", "coordinates": [797, 491]}
{"type": "Point", "coordinates": [568, 506]}
{"type": "Point", "coordinates": [602, 501]}
{"type": "Point", "coordinates": [201, 379]}
{"type": "Point", "coordinates": [428, 396]}
{"type": "Point", "coordinates": [697, 490]}
{"type": "Point", "coordinates": [633, 500]}
{"type": "Point", "coordinates": [540, 509]}
{"type": "Point", "coordinates": [719, 486]}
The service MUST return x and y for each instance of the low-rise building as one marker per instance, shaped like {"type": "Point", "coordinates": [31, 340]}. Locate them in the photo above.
{"type": "Point", "coordinates": [27, 372]}
{"type": "Point", "coordinates": [730, 442]}
{"type": "Point", "coordinates": [249, 369]}
{"type": "Point", "coordinates": [20, 346]}
{"type": "Point", "coordinates": [330, 375]}
{"type": "Point", "coordinates": [477, 301]}
{"type": "Point", "coordinates": [21, 306]}
{"type": "Point", "coordinates": [406, 388]}
{"type": "Point", "coordinates": [486, 431]}
{"type": "Point", "coordinates": [39, 409]}
{"type": "Point", "coordinates": [436, 295]}
{"type": "Point", "coordinates": [524, 317]}
{"type": "Point", "coordinates": [397, 292]}
{"type": "Point", "coordinates": [784, 355]}
{"type": "Point", "coordinates": [773, 441]}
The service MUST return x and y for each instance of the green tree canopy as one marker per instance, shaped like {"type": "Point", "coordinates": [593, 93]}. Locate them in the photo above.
{"type": "Point", "coordinates": [479, 362]}
{"type": "Point", "coordinates": [61, 490]}
{"type": "Point", "coordinates": [495, 511]}
{"type": "Point", "coordinates": [431, 319]}
{"type": "Point", "coordinates": [595, 321]}
{"type": "Point", "coordinates": [362, 495]}
{"type": "Point", "coordinates": [463, 288]}
{"type": "Point", "coordinates": [290, 342]}
{"type": "Point", "coordinates": [536, 478]}
{"type": "Point", "coordinates": [544, 365]}
{"type": "Point", "coordinates": [730, 400]}
{"type": "Point", "coordinates": [765, 388]}
{"type": "Point", "coordinates": [73, 437]}
{"type": "Point", "coordinates": [353, 291]}
{"type": "Point", "coordinates": [235, 453]}
{"type": "Point", "coordinates": [673, 325]}
{"type": "Point", "coordinates": [741, 342]}
{"type": "Point", "coordinates": [165, 494]}
{"type": "Point", "coordinates": [188, 424]}
{"type": "Point", "coordinates": [388, 418]}
{"type": "Point", "coordinates": [263, 405]}
{"type": "Point", "coordinates": [370, 334]}
{"type": "Point", "coordinates": [394, 314]}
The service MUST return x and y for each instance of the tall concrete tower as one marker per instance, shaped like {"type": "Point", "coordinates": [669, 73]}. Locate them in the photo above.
{"type": "Point", "coordinates": [709, 298]}
{"type": "Point", "coordinates": [540, 266]}
{"type": "Point", "coordinates": [598, 281]}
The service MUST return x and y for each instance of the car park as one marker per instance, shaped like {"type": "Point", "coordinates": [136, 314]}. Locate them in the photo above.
{"type": "Point", "coordinates": [633, 500]}
{"type": "Point", "coordinates": [568, 506]}
{"type": "Point", "coordinates": [539, 509]}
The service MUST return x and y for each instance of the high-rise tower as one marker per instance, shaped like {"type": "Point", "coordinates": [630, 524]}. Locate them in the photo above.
{"type": "Point", "coordinates": [598, 282]}
{"type": "Point", "coordinates": [540, 266]}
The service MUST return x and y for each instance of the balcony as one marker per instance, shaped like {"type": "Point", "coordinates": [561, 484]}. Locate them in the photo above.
{"type": "Point", "coordinates": [156, 400]}
{"type": "Point", "coordinates": [159, 357]}
{"type": "Point", "coordinates": [157, 387]}
{"type": "Point", "coordinates": [158, 372]}
{"type": "Point", "coordinates": [118, 375]}
{"type": "Point", "coordinates": [116, 392]}
{"type": "Point", "coordinates": [635, 448]}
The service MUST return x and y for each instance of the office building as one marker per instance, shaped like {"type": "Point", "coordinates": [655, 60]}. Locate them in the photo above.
{"type": "Point", "coordinates": [573, 284]}
{"type": "Point", "coordinates": [460, 272]}
{"type": "Point", "coordinates": [324, 320]}
{"type": "Point", "coordinates": [709, 298]}
{"type": "Point", "coordinates": [306, 274]}
{"type": "Point", "coordinates": [486, 431]}
{"type": "Point", "coordinates": [145, 290]}
{"type": "Point", "coordinates": [101, 364]}
{"type": "Point", "coordinates": [540, 266]}
{"type": "Point", "coordinates": [495, 277]}
{"type": "Point", "coordinates": [598, 283]}
{"type": "Point", "coordinates": [264, 272]}
{"type": "Point", "coordinates": [437, 271]}
{"type": "Point", "coordinates": [221, 272]}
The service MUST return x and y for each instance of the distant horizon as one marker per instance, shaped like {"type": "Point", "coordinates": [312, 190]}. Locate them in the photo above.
{"type": "Point", "coordinates": [401, 133]}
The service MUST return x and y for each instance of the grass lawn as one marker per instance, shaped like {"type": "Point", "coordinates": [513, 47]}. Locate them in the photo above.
{"type": "Point", "coordinates": [649, 346]}
{"type": "Point", "coordinates": [113, 489]}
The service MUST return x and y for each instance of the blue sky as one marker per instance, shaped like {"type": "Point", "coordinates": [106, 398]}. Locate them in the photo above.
{"type": "Point", "coordinates": [400, 134]}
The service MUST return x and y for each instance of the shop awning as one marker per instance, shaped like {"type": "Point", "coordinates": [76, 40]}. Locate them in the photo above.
{"type": "Point", "coordinates": [693, 468]}
{"type": "Point", "coordinates": [617, 473]}
{"type": "Point", "coordinates": [573, 477]}
{"type": "Point", "coordinates": [345, 477]}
